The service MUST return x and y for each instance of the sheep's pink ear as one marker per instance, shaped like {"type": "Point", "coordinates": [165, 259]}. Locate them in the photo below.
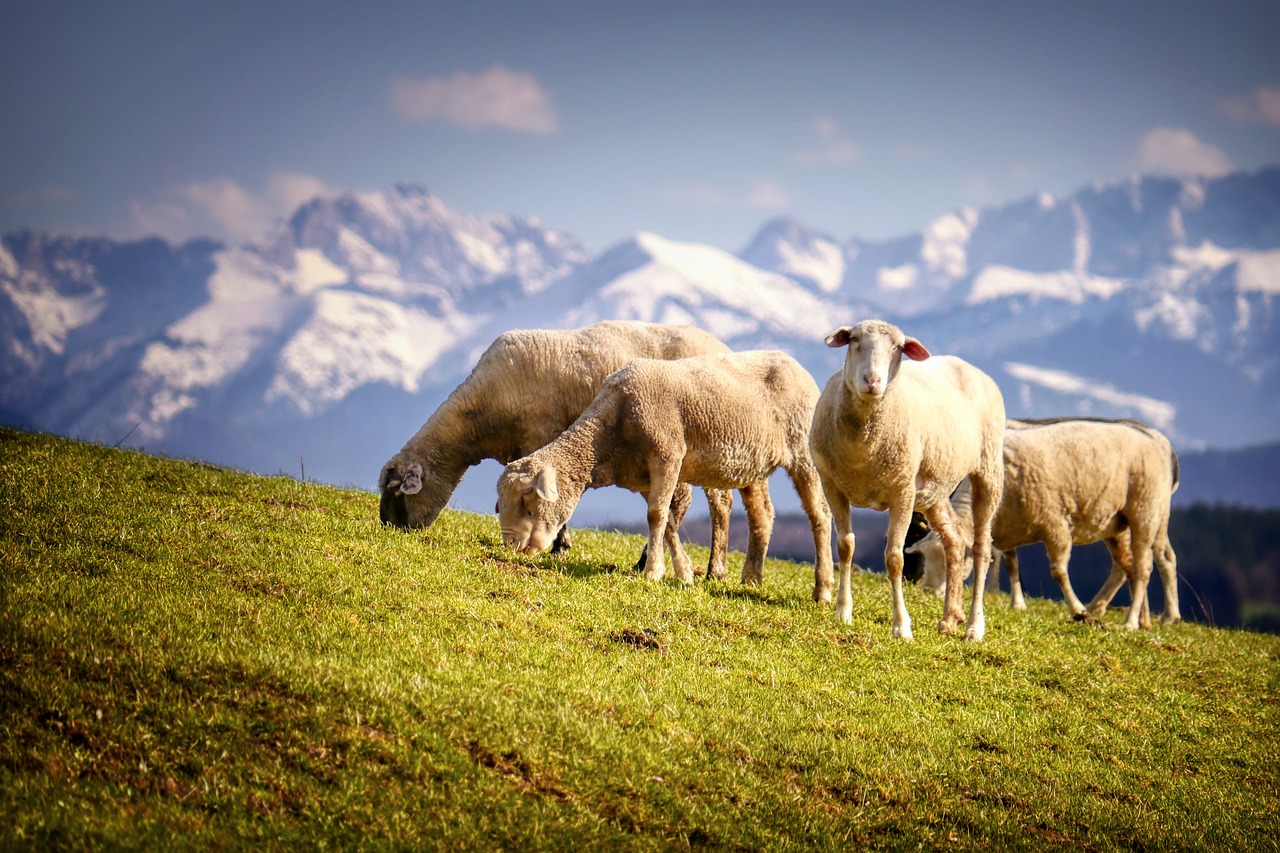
{"type": "Point", "coordinates": [914, 350]}
{"type": "Point", "coordinates": [411, 482]}
{"type": "Point", "coordinates": [840, 337]}
{"type": "Point", "coordinates": [544, 485]}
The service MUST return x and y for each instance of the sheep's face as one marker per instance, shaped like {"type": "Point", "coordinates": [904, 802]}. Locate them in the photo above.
{"type": "Point", "coordinates": [413, 493]}
{"type": "Point", "coordinates": [530, 508]}
{"type": "Point", "coordinates": [875, 351]}
{"type": "Point", "coordinates": [933, 560]}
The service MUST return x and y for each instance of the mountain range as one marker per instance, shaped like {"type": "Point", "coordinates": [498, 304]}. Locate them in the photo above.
{"type": "Point", "coordinates": [319, 348]}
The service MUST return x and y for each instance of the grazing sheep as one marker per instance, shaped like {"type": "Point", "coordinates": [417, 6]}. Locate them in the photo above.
{"type": "Point", "coordinates": [901, 435]}
{"type": "Point", "coordinates": [1073, 481]}
{"type": "Point", "coordinates": [721, 421]}
{"type": "Point", "coordinates": [526, 388]}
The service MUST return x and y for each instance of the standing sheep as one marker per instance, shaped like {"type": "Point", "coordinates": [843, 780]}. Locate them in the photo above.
{"type": "Point", "coordinates": [901, 435]}
{"type": "Point", "coordinates": [1073, 481]}
{"type": "Point", "coordinates": [720, 421]}
{"type": "Point", "coordinates": [526, 388]}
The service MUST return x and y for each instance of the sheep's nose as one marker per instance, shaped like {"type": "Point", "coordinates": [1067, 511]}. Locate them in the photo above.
{"type": "Point", "coordinates": [871, 383]}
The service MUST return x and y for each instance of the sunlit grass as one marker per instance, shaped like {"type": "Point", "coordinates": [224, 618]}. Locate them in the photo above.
{"type": "Point", "coordinates": [195, 657]}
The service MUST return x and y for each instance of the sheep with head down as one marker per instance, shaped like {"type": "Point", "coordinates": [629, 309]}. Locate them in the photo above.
{"type": "Point", "coordinates": [526, 388]}
{"type": "Point", "coordinates": [900, 434]}
{"type": "Point", "coordinates": [721, 421]}
{"type": "Point", "coordinates": [1073, 481]}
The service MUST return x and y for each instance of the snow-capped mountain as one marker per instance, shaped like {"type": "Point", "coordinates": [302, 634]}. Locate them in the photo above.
{"type": "Point", "coordinates": [328, 342]}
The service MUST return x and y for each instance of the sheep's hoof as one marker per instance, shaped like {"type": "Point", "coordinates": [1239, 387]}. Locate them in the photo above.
{"type": "Point", "coordinates": [947, 626]}
{"type": "Point", "coordinates": [904, 634]}
{"type": "Point", "coordinates": [822, 595]}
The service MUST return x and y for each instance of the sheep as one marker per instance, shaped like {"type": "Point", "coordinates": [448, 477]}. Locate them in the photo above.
{"type": "Point", "coordinates": [924, 561]}
{"type": "Point", "coordinates": [1073, 481]}
{"type": "Point", "coordinates": [526, 388]}
{"type": "Point", "coordinates": [721, 420]}
{"type": "Point", "coordinates": [901, 435]}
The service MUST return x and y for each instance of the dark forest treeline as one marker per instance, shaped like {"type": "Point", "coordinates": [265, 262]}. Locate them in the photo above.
{"type": "Point", "coordinates": [1228, 561]}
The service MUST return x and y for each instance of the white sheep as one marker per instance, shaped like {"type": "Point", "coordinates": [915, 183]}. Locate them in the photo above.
{"type": "Point", "coordinates": [526, 388]}
{"type": "Point", "coordinates": [1073, 481]}
{"type": "Point", "coordinates": [720, 421]}
{"type": "Point", "coordinates": [901, 435]}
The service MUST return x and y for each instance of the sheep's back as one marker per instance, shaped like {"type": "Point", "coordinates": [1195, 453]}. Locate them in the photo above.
{"type": "Point", "coordinates": [545, 379]}
{"type": "Point", "coordinates": [737, 414]}
{"type": "Point", "coordinates": [1089, 472]}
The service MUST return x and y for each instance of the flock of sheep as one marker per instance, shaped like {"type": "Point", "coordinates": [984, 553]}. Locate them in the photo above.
{"type": "Point", "coordinates": [657, 409]}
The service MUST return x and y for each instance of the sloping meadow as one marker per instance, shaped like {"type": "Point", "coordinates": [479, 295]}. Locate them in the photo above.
{"type": "Point", "coordinates": [195, 657]}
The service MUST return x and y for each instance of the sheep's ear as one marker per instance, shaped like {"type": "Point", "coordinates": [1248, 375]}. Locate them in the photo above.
{"type": "Point", "coordinates": [411, 482]}
{"type": "Point", "coordinates": [840, 337]}
{"type": "Point", "coordinates": [914, 350]}
{"type": "Point", "coordinates": [544, 485]}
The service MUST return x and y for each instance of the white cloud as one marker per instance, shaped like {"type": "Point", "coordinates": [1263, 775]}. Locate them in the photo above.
{"type": "Point", "coordinates": [498, 97]}
{"type": "Point", "coordinates": [1261, 106]}
{"type": "Point", "coordinates": [833, 148]}
{"type": "Point", "coordinates": [1173, 151]}
{"type": "Point", "coordinates": [222, 209]}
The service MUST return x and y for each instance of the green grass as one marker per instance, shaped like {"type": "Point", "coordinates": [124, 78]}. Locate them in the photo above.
{"type": "Point", "coordinates": [192, 657]}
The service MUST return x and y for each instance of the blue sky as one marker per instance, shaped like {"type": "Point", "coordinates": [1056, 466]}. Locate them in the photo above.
{"type": "Point", "coordinates": [698, 121]}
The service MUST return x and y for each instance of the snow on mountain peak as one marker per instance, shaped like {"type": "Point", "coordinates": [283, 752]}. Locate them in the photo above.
{"type": "Point", "coordinates": [655, 279]}
{"type": "Point", "coordinates": [999, 282]}
{"type": "Point", "coordinates": [1259, 272]}
{"type": "Point", "coordinates": [353, 339]}
{"type": "Point", "coordinates": [945, 245]}
{"type": "Point", "coordinates": [787, 247]}
{"type": "Point", "coordinates": [410, 234]}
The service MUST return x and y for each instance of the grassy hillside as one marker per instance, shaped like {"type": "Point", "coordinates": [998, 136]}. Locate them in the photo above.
{"type": "Point", "coordinates": [194, 657]}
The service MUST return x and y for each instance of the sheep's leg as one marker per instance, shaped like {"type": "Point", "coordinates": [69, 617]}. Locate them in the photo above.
{"type": "Point", "coordinates": [1142, 559]}
{"type": "Point", "coordinates": [1016, 599]}
{"type": "Point", "coordinates": [899, 521]}
{"type": "Point", "coordinates": [993, 579]}
{"type": "Point", "coordinates": [681, 499]}
{"type": "Point", "coordinates": [719, 505]}
{"type": "Point", "coordinates": [809, 486]}
{"type": "Point", "coordinates": [759, 508]}
{"type": "Point", "coordinates": [1167, 564]}
{"type": "Point", "coordinates": [1121, 568]}
{"type": "Point", "coordinates": [1058, 544]}
{"type": "Point", "coordinates": [942, 520]}
{"type": "Point", "coordinates": [663, 482]}
{"type": "Point", "coordinates": [844, 546]}
{"type": "Point", "coordinates": [986, 500]}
